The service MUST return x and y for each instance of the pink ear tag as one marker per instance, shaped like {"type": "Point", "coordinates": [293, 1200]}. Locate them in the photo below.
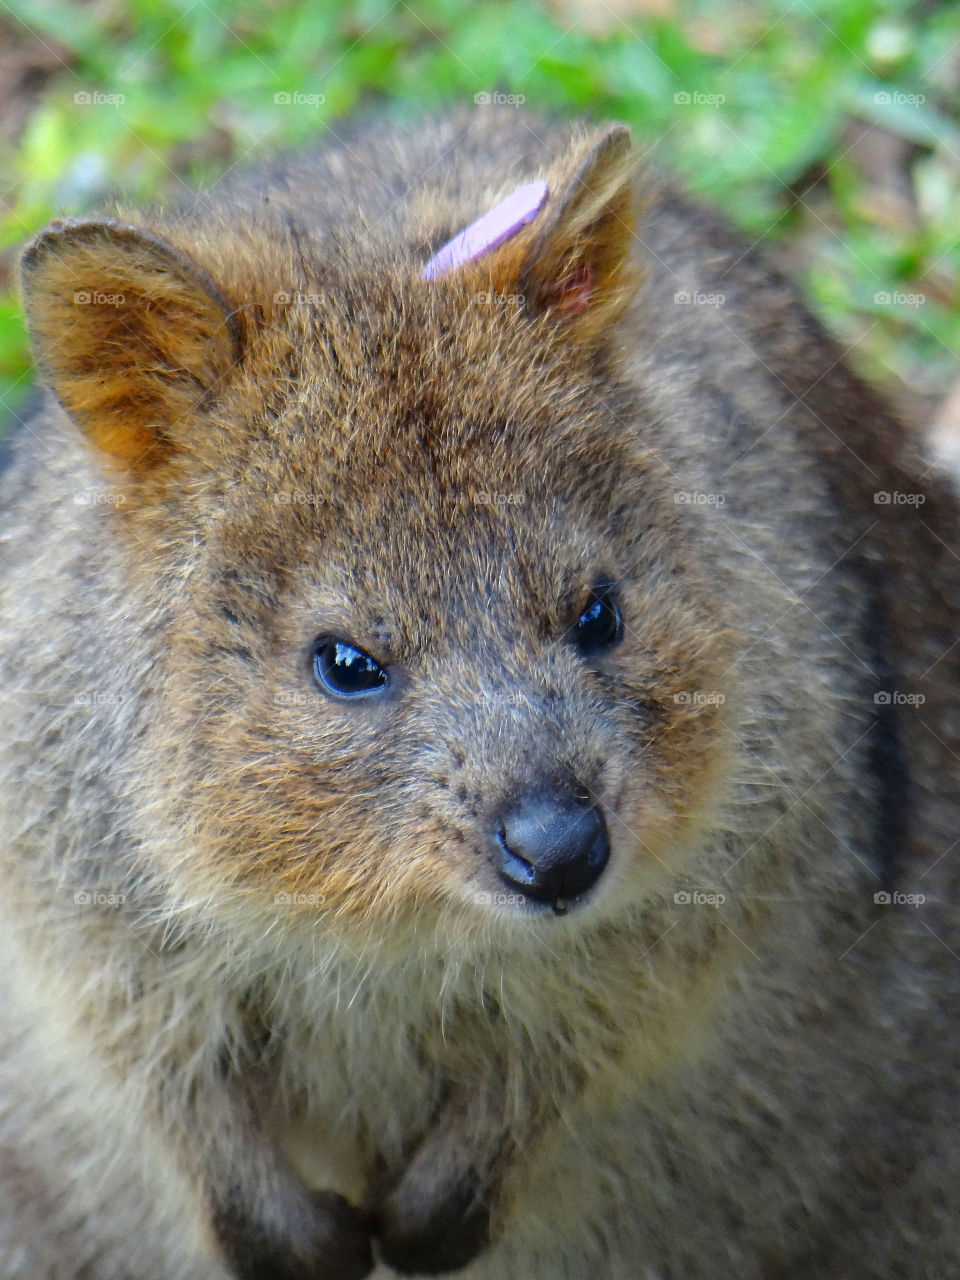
{"type": "Point", "coordinates": [490, 230]}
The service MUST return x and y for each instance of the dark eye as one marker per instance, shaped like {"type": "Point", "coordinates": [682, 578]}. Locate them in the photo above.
{"type": "Point", "coordinates": [346, 671]}
{"type": "Point", "coordinates": [599, 626]}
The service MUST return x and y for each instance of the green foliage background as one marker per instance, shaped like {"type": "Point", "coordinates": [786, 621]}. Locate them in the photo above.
{"type": "Point", "coordinates": [802, 85]}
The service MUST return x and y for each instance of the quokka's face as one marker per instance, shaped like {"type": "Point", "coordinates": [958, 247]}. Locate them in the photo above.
{"type": "Point", "coordinates": [432, 624]}
{"type": "Point", "coordinates": [449, 666]}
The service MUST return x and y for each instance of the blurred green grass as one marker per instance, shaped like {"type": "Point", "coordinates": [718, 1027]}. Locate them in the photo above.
{"type": "Point", "coordinates": [770, 111]}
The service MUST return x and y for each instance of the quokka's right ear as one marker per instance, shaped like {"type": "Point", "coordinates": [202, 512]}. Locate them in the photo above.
{"type": "Point", "coordinates": [133, 337]}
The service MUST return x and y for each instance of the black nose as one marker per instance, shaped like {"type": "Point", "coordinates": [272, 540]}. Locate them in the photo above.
{"type": "Point", "coordinates": [552, 847]}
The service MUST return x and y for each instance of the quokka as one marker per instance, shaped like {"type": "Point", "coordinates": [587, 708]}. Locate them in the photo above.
{"type": "Point", "coordinates": [479, 743]}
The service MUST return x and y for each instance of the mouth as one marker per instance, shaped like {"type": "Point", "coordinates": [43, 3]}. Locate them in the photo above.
{"type": "Point", "coordinates": [512, 897]}
{"type": "Point", "coordinates": [532, 907]}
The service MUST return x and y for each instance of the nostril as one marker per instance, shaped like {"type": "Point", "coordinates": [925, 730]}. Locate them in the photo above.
{"type": "Point", "coordinates": [513, 867]}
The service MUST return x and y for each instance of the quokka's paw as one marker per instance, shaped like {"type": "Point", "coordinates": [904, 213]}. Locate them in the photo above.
{"type": "Point", "coordinates": [420, 1234]}
{"type": "Point", "coordinates": [321, 1236]}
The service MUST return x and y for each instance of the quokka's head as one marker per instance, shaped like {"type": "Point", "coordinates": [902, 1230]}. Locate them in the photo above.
{"type": "Point", "coordinates": [424, 617]}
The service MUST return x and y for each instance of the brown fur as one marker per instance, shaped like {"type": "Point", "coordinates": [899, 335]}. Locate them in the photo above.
{"type": "Point", "coordinates": [290, 1024]}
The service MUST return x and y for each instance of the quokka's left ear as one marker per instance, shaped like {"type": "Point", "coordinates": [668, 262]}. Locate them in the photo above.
{"type": "Point", "coordinates": [561, 247]}
{"type": "Point", "coordinates": [577, 266]}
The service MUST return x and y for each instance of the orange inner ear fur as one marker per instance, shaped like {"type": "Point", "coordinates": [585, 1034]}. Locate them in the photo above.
{"type": "Point", "coordinates": [130, 334]}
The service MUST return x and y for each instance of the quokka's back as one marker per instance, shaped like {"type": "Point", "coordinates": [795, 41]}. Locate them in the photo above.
{"type": "Point", "coordinates": [479, 738]}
